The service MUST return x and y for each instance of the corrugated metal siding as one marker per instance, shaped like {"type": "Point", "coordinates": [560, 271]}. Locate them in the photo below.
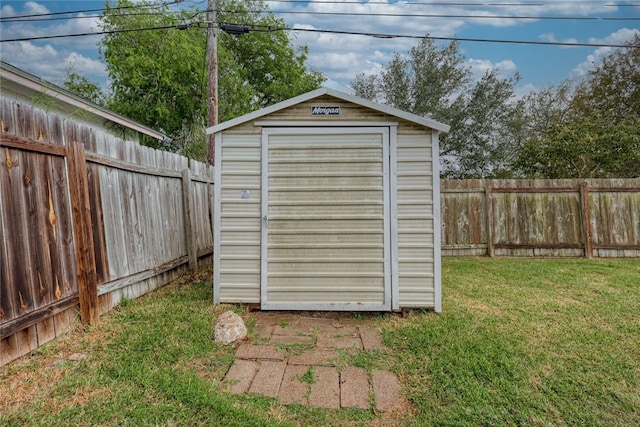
{"type": "Point", "coordinates": [326, 219]}
{"type": "Point", "coordinates": [415, 221]}
{"type": "Point", "coordinates": [240, 218]}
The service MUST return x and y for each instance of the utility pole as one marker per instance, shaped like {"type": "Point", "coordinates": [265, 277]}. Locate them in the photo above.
{"type": "Point", "coordinates": [212, 59]}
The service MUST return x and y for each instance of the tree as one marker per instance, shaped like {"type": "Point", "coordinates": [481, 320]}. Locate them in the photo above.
{"type": "Point", "coordinates": [612, 88]}
{"type": "Point", "coordinates": [593, 129]}
{"type": "Point", "coordinates": [82, 86]}
{"type": "Point", "coordinates": [158, 77]}
{"type": "Point", "coordinates": [435, 82]}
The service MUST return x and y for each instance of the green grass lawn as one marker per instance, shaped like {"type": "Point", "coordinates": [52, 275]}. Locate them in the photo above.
{"type": "Point", "coordinates": [520, 342]}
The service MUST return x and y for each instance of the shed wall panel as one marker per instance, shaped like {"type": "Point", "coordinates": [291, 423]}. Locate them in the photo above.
{"type": "Point", "coordinates": [416, 286]}
{"type": "Point", "coordinates": [240, 218]}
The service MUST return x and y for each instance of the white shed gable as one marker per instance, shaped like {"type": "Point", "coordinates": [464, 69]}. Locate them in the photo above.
{"type": "Point", "coordinates": [336, 94]}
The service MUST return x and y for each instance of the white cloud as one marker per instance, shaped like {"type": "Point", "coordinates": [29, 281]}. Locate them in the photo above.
{"type": "Point", "coordinates": [48, 58]}
{"type": "Point", "coordinates": [551, 38]}
{"type": "Point", "coordinates": [49, 63]}
{"type": "Point", "coordinates": [85, 66]}
{"type": "Point", "coordinates": [7, 11]}
{"type": "Point", "coordinates": [33, 8]}
{"type": "Point", "coordinates": [524, 90]}
{"type": "Point", "coordinates": [38, 60]}
{"type": "Point", "coordinates": [480, 66]}
{"type": "Point", "coordinates": [593, 59]}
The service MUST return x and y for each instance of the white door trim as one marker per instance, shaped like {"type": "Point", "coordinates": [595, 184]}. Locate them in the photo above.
{"type": "Point", "coordinates": [388, 182]}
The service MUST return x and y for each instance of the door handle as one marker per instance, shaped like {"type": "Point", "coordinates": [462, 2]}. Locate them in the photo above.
{"type": "Point", "coordinates": [265, 220]}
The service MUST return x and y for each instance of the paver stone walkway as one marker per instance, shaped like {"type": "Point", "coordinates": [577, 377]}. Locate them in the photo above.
{"type": "Point", "coordinates": [292, 357]}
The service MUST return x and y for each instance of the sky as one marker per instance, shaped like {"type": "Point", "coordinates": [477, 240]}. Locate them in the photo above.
{"type": "Point", "coordinates": [340, 57]}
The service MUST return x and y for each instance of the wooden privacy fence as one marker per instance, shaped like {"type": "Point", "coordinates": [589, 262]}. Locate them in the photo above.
{"type": "Point", "coordinates": [592, 218]}
{"type": "Point", "coordinates": [87, 219]}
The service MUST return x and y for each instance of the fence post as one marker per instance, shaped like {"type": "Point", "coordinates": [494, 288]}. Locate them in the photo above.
{"type": "Point", "coordinates": [188, 224]}
{"type": "Point", "coordinates": [586, 219]}
{"type": "Point", "coordinates": [489, 212]}
{"type": "Point", "coordinates": [85, 256]}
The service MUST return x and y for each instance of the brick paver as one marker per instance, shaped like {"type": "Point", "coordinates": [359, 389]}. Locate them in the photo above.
{"type": "Point", "coordinates": [339, 342]}
{"type": "Point", "coordinates": [325, 391]}
{"type": "Point", "coordinates": [293, 330]}
{"type": "Point", "coordinates": [259, 352]}
{"type": "Point", "coordinates": [268, 378]}
{"type": "Point", "coordinates": [262, 331]}
{"type": "Point", "coordinates": [371, 339]}
{"type": "Point", "coordinates": [292, 390]}
{"type": "Point", "coordinates": [315, 322]}
{"type": "Point", "coordinates": [338, 331]}
{"type": "Point", "coordinates": [291, 339]}
{"type": "Point", "coordinates": [354, 388]}
{"type": "Point", "coordinates": [316, 356]}
{"type": "Point", "coordinates": [387, 390]}
{"type": "Point", "coordinates": [240, 375]}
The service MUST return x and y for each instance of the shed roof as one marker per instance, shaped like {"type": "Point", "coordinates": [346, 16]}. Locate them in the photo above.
{"type": "Point", "coordinates": [27, 85]}
{"type": "Point", "coordinates": [422, 121]}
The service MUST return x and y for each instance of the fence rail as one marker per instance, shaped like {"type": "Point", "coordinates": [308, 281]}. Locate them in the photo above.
{"type": "Point", "coordinates": [592, 218]}
{"type": "Point", "coordinates": [87, 219]}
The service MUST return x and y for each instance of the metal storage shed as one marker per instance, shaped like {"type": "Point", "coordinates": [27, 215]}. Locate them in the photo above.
{"type": "Point", "coordinates": [327, 201]}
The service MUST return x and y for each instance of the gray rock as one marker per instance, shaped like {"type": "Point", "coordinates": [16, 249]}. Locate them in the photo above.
{"type": "Point", "coordinates": [77, 357]}
{"type": "Point", "coordinates": [229, 328]}
{"type": "Point", "coordinates": [57, 364]}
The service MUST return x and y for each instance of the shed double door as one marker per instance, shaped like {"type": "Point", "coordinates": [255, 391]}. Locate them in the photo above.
{"type": "Point", "coordinates": [325, 219]}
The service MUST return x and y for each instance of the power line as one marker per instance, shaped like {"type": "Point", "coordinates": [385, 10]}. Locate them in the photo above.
{"type": "Point", "coordinates": [449, 3]}
{"type": "Point", "coordinates": [97, 33]}
{"type": "Point", "coordinates": [438, 15]}
{"type": "Point", "coordinates": [149, 6]}
{"type": "Point", "coordinates": [367, 14]}
{"type": "Point", "coordinates": [263, 28]}
{"type": "Point", "coordinates": [49, 16]}
{"type": "Point", "coordinates": [60, 18]}
{"type": "Point", "coordinates": [460, 39]}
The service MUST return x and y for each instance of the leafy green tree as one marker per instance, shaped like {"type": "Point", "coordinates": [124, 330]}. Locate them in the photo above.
{"type": "Point", "coordinates": [612, 88]}
{"type": "Point", "coordinates": [82, 86]}
{"type": "Point", "coordinates": [585, 148]}
{"type": "Point", "coordinates": [435, 82]}
{"type": "Point", "coordinates": [592, 129]}
{"type": "Point", "coordinates": [159, 77]}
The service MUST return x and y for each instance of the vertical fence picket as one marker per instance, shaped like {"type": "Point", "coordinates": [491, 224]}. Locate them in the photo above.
{"type": "Point", "coordinates": [586, 219]}
{"type": "Point", "coordinates": [188, 223]}
{"type": "Point", "coordinates": [86, 263]}
{"type": "Point", "coordinates": [490, 220]}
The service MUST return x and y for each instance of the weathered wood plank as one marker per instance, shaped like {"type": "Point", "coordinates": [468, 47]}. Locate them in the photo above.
{"type": "Point", "coordinates": [10, 328]}
{"type": "Point", "coordinates": [490, 220]}
{"type": "Point", "coordinates": [97, 221]}
{"type": "Point", "coordinates": [85, 259]}
{"type": "Point", "coordinates": [13, 141]}
{"type": "Point", "coordinates": [46, 330]}
{"type": "Point", "coordinates": [36, 192]}
{"type": "Point", "coordinates": [130, 167]}
{"type": "Point", "coordinates": [9, 349]}
{"type": "Point", "coordinates": [19, 299]}
{"type": "Point", "coordinates": [61, 231]}
{"type": "Point", "coordinates": [586, 219]}
{"type": "Point", "coordinates": [188, 223]}
{"type": "Point", "coordinates": [65, 321]}
{"type": "Point", "coordinates": [127, 281]}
